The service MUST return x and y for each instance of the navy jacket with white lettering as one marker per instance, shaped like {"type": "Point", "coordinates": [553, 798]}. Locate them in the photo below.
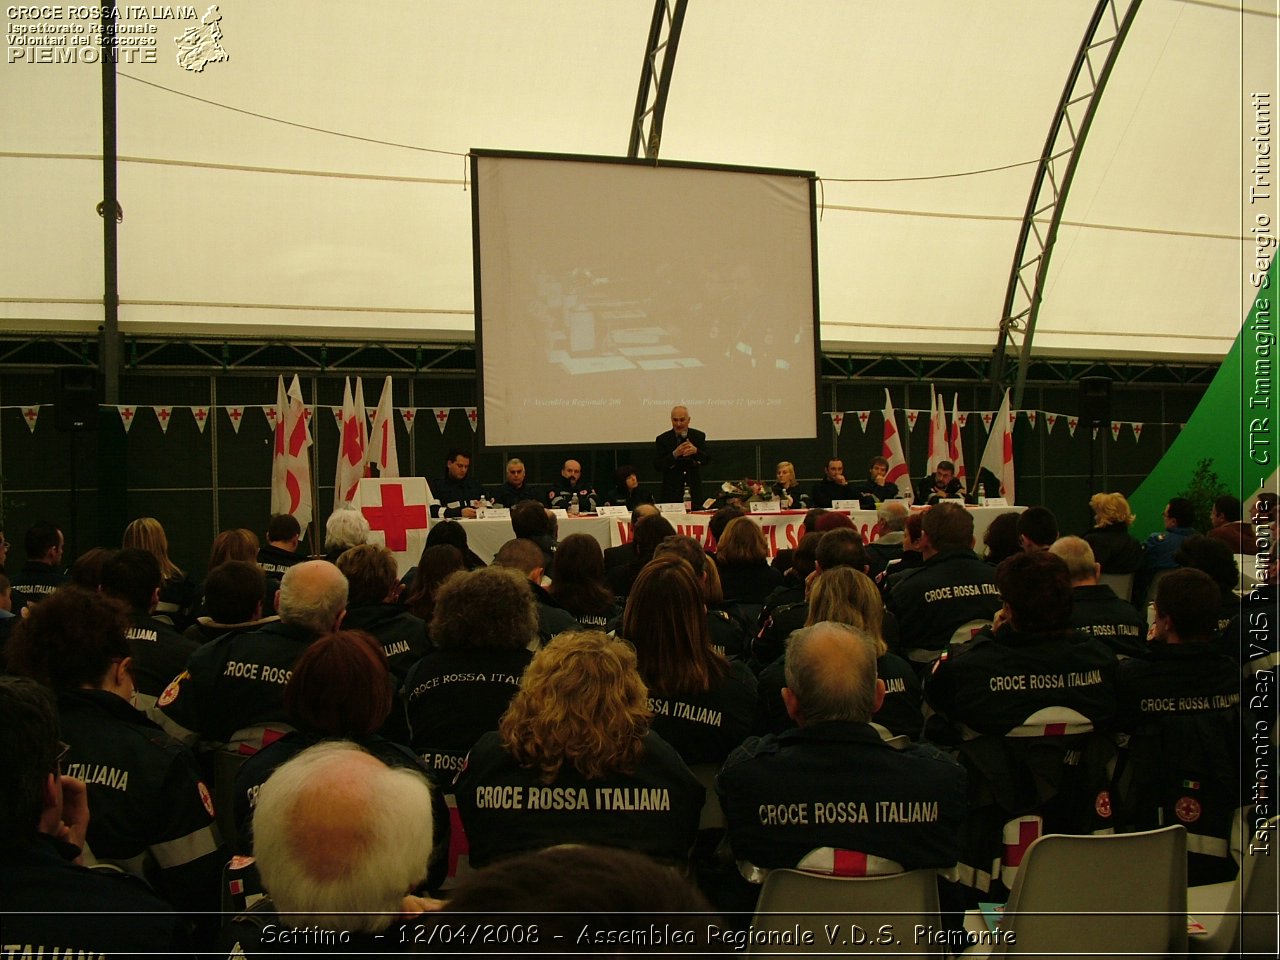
{"type": "Point", "coordinates": [1098, 611]}
{"type": "Point", "coordinates": [927, 614]}
{"type": "Point", "coordinates": [235, 683]}
{"type": "Point", "coordinates": [620, 808]}
{"type": "Point", "coordinates": [402, 635]}
{"type": "Point", "coordinates": [997, 680]}
{"type": "Point", "coordinates": [453, 696]}
{"type": "Point", "coordinates": [159, 652]}
{"type": "Point", "coordinates": [704, 727]}
{"type": "Point", "coordinates": [789, 793]}
{"type": "Point", "coordinates": [151, 814]}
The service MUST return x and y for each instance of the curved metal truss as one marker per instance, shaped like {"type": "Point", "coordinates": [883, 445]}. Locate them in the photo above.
{"type": "Point", "coordinates": [655, 78]}
{"type": "Point", "coordinates": [1088, 78]}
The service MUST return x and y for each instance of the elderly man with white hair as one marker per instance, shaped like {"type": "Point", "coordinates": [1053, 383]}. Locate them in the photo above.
{"type": "Point", "coordinates": [342, 843]}
{"type": "Point", "coordinates": [232, 691]}
{"type": "Point", "coordinates": [1095, 608]}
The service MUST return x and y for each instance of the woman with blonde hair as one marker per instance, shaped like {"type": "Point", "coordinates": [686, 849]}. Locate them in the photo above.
{"type": "Point", "coordinates": [1112, 544]}
{"type": "Point", "coordinates": [574, 761]}
{"type": "Point", "coordinates": [848, 596]}
{"type": "Point", "coordinates": [178, 593]}
{"type": "Point", "coordinates": [703, 704]}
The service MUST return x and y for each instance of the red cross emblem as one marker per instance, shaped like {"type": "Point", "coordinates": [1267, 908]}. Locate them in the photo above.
{"type": "Point", "coordinates": [235, 413]}
{"type": "Point", "coordinates": [200, 413]}
{"type": "Point", "coordinates": [163, 414]}
{"type": "Point", "coordinates": [442, 415]}
{"type": "Point", "coordinates": [271, 414]}
{"type": "Point", "coordinates": [471, 415]}
{"type": "Point", "coordinates": [408, 415]}
{"type": "Point", "coordinates": [126, 413]}
{"type": "Point", "coordinates": [395, 518]}
{"type": "Point", "coordinates": [30, 413]}
{"type": "Point", "coordinates": [1028, 832]}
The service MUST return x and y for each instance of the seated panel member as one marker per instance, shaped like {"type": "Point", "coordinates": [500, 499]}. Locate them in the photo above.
{"type": "Point", "coordinates": [832, 781]}
{"type": "Point", "coordinates": [874, 490]}
{"type": "Point", "coordinates": [833, 486]}
{"type": "Point", "coordinates": [567, 484]}
{"type": "Point", "coordinates": [517, 488]}
{"type": "Point", "coordinates": [943, 485]}
{"type": "Point", "coordinates": [626, 490]}
{"type": "Point", "coordinates": [787, 489]}
{"type": "Point", "coordinates": [457, 491]}
{"type": "Point", "coordinates": [574, 761]}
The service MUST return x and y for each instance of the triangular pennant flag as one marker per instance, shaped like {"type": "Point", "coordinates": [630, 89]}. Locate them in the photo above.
{"type": "Point", "coordinates": [29, 414]}
{"type": "Point", "coordinates": [407, 414]}
{"type": "Point", "coordinates": [270, 413]}
{"type": "Point", "coordinates": [1031, 418]}
{"type": "Point", "coordinates": [937, 451]}
{"type": "Point", "coordinates": [337, 418]}
{"type": "Point", "coordinates": [987, 417]}
{"type": "Point", "coordinates": [126, 416]}
{"type": "Point", "coordinates": [1137, 431]}
{"type": "Point", "coordinates": [864, 417]}
{"type": "Point", "coordinates": [1050, 420]}
{"type": "Point", "coordinates": [1115, 429]}
{"type": "Point", "coordinates": [912, 417]}
{"type": "Point", "coordinates": [963, 417]}
{"type": "Point", "coordinates": [442, 416]}
{"type": "Point", "coordinates": [202, 417]}
{"type": "Point", "coordinates": [235, 415]}
{"type": "Point", "coordinates": [163, 414]}
{"type": "Point", "coordinates": [837, 420]}
{"type": "Point", "coordinates": [1072, 423]}
{"type": "Point", "coordinates": [472, 418]}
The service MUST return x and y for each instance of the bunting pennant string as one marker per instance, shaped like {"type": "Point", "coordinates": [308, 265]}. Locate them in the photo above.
{"type": "Point", "coordinates": [407, 414]}
{"type": "Point", "coordinates": [1050, 420]}
{"type": "Point", "coordinates": [163, 414]}
{"type": "Point", "coordinates": [472, 418]}
{"type": "Point", "coordinates": [201, 415]}
{"type": "Point", "coordinates": [864, 417]}
{"type": "Point", "coordinates": [30, 414]}
{"type": "Point", "coordinates": [442, 416]}
{"type": "Point", "coordinates": [837, 420]}
{"type": "Point", "coordinates": [235, 415]}
{"type": "Point", "coordinates": [126, 416]}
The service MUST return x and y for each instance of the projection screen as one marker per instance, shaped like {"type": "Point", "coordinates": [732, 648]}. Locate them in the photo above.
{"type": "Point", "coordinates": [608, 291]}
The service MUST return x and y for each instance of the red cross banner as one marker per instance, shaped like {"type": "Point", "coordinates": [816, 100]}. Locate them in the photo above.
{"type": "Point", "coordinates": [269, 412]}
{"type": "Point", "coordinates": [837, 420]}
{"type": "Point", "coordinates": [164, 415]}
{"type": "Point", "coordinates": [864, 417]}
{"type": "Point", "coordinates": [472, 418]}
{"type": "Point", "coordinates": [1050, 419]}
{"type": "Point", "coordinates": [1072, 423]}
{"type": "Point", "coordinates": [891, 447]}
{"type": "Point", "coordinates": [1031, 418]}
{"type": "Point", "coordinates": [202, 417]}
{"type": "Point", "coordinates": [955, 443]}
{"type": "Point", "coordinates": [396, 509]}
{"type": "Point", "coordinates": [353, 443]}
{"type": "Point", "coordinates": [442, 416]}
{"type": "Point", "coordinates": [1115, 429]}
{"type": "Point", "coordinates": [407, 414]}
{"type": "Point", "coordinates": [29, 414]}
{"type": "Point", "coordinates": [1137, 431]}
{"type": "Point", "coordinates": [235, 415]}
{"type": "Point", "coordinates": [997, 456]}
{"type": "Point", "coordinates": [337, 417]}
{"type": "Point", "coordinates": [290, 463]}
{"type": "Point", "coordinates": [382, 438]}
{"type": "Point", "coordinates": [126, 416]}
{"type": "Point", "coordinates": [912, 417]}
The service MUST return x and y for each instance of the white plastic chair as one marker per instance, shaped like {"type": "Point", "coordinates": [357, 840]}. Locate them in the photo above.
{"type": "Point", "coordinates": [1107, 895]}
{"type": "Point", "coordinates": [1240, 915]}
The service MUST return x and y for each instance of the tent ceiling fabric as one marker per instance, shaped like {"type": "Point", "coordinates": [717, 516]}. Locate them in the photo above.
{"type": "Point", "coordinates": [244, 225]}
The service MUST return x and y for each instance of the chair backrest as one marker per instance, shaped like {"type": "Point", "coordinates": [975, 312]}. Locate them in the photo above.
{"type": "Point", "coordinates": [712, 816]}
{"type": "Point", "coordinates": [1258, 932]}
{"type": "Point", "coordinates": [845, 914]}
{"type": "Point", "coordinates": [967, 631]}
{"type": "Point", "coordinates": [1120, 583]}
{"type": "Point", "coordinates": [1111, 894]}
{"type": "Point", "coordinates": [225, 767]}
{"type": "Point", "coordinates": [1052, 722]}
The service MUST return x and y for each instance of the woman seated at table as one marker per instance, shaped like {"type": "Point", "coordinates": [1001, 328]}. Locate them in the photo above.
{"type": "Point", "coordinates": [574, 761]}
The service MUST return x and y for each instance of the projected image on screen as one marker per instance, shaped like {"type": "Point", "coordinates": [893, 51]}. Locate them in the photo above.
{"type": "Point", "coordinates": [608, 292]}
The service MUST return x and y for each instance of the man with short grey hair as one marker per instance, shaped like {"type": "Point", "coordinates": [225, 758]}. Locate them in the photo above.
{"type": "Point", "coordinates": [832, 782]}
{"type": "Point", "coordinates": [1095, 608]}
{"type": "Point", "coordinates": [517, 486]}
{"type": "Point", "coordinates": [232, 691]}
{"type": "Point", "coordinates": [891, 527]}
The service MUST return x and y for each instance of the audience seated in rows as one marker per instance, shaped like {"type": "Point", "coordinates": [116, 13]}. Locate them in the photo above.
{"type": "Point", "coordinates": [373, 605]}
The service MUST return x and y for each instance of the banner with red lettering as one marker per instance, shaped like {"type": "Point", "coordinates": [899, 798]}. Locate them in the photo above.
{"type": "Point", "coordinates": [396, 509]}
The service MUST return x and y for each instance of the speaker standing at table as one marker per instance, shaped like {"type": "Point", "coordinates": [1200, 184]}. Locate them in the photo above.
{"type": "Point", "coordinates": [679, 456]}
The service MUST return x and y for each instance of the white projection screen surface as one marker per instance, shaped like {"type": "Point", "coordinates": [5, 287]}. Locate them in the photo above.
{"type": "Point", "coordinates": [608, 292]}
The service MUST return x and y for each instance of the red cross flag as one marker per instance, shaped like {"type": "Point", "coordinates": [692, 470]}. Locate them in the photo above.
{"type": "Point", "coordinates": [864, 417]}
{"type": "Point", "coordinates": [291, 464]}
{"type": "Point", "coordinates": [955, 443]}
{"type": "Point", "coordinates": [892, 448]}
{"type": "Point", "coordinates": [126, 417]}
{"type": "Point", "coordinates": [442, 416]}
{"type": "Point", "coordinates": [837, 420]}
{"type": "Point", "coordinates": [202, 416]}
{"type": "Point", "coordinates": [997, 456]}
{"type": "Point", "coordinates": [29, 414]}
{"type": "Point", "coordinates": [236, 414]}
{"type": "Point", "coordinates": [937, 431]}
{"type": "Point", "coordinates": [1072, 423]}
{"type": "Point", "coordinates": [473, 418]}
{"type": "Point", "coordinates": [1050, 419]}
{"type": "Point", "coordinates": [163, 414]}
{"type": "Point", "coordinates": [407, 414]}
{"type": "Point", "coordinates": [1137, 431]}
{"type": "Point", "coordinates": [382, 439]}
{"type": "Point", "coordinates": [353, 439]}
{"type": "Point", "coordinates": [396, 509]}
{"type": "Point", "coordinates": [1115, 429]}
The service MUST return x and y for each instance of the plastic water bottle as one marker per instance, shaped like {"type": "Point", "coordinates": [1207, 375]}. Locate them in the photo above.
{"type": "Point", "coordinates": [982, 496]}
{"type": "Point", "coordinates": [688, 498]}
{"type": "Point", "coordinates": [574, 505]}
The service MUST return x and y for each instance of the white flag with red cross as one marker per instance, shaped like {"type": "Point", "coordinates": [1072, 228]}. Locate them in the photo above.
{"type": "Point", "coordinates": [473, 418]}
{"type": "Point", "coordinates": [997, 456]}
{"type": "Point", "coordinates": [441, 415]}
{"type": "Point", "coordinates": [126, 416]}
{"type": "Point", "coordinates": [291, 463]}
{"type": "Point", "coordinates": [407, 414]}
{"type": "Point", "coordinates": [955, 443]}
{"type": "Point", "coordinates": [382, 438]}
{"type": "Point", "coordinates": [891, 449]}
{"type": "Point", "coordinates": [397, 509]}
{"type": "Point", "coordinates": [353, 438]}
{"type": "Point", "coordinates": [837, 420]}
{"type": "Point", "coordinates": [235, 415]}
{"type": "Point", "coordinates": [1050, 420]}
{"type": "Point", "coordinates": [164, 415]}
{"type": "Point", "coordinates": [30, 414]}
{"type": "Point", "coordinates": [864, 417]}
{"type": "Point", "coordinates": [201, 415]}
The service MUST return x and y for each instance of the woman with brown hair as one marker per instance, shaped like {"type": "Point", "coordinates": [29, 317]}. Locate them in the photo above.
{"type": "Point", "coordinates": [241, 545]}
{"type": "Point", "coordinates": [178, 594]}
{"type": "Point", "coordinates": [742, 557]}
{"type": "Point", "coordinates": [437, 564]}
{"type": "Point", "coordinates": [340, 689]}
{"type": "Point", "coordinates": [703, 704]}
{"type": "Point", "coordinates": [574, 761]}
{"type": "Point", "coordinates": [848, 596]}
{"type": "Point", "coordinates": [579, 585]}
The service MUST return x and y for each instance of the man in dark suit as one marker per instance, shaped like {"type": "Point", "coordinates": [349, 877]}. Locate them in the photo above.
{"type": "Point", "coordinates": [679, 456]}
